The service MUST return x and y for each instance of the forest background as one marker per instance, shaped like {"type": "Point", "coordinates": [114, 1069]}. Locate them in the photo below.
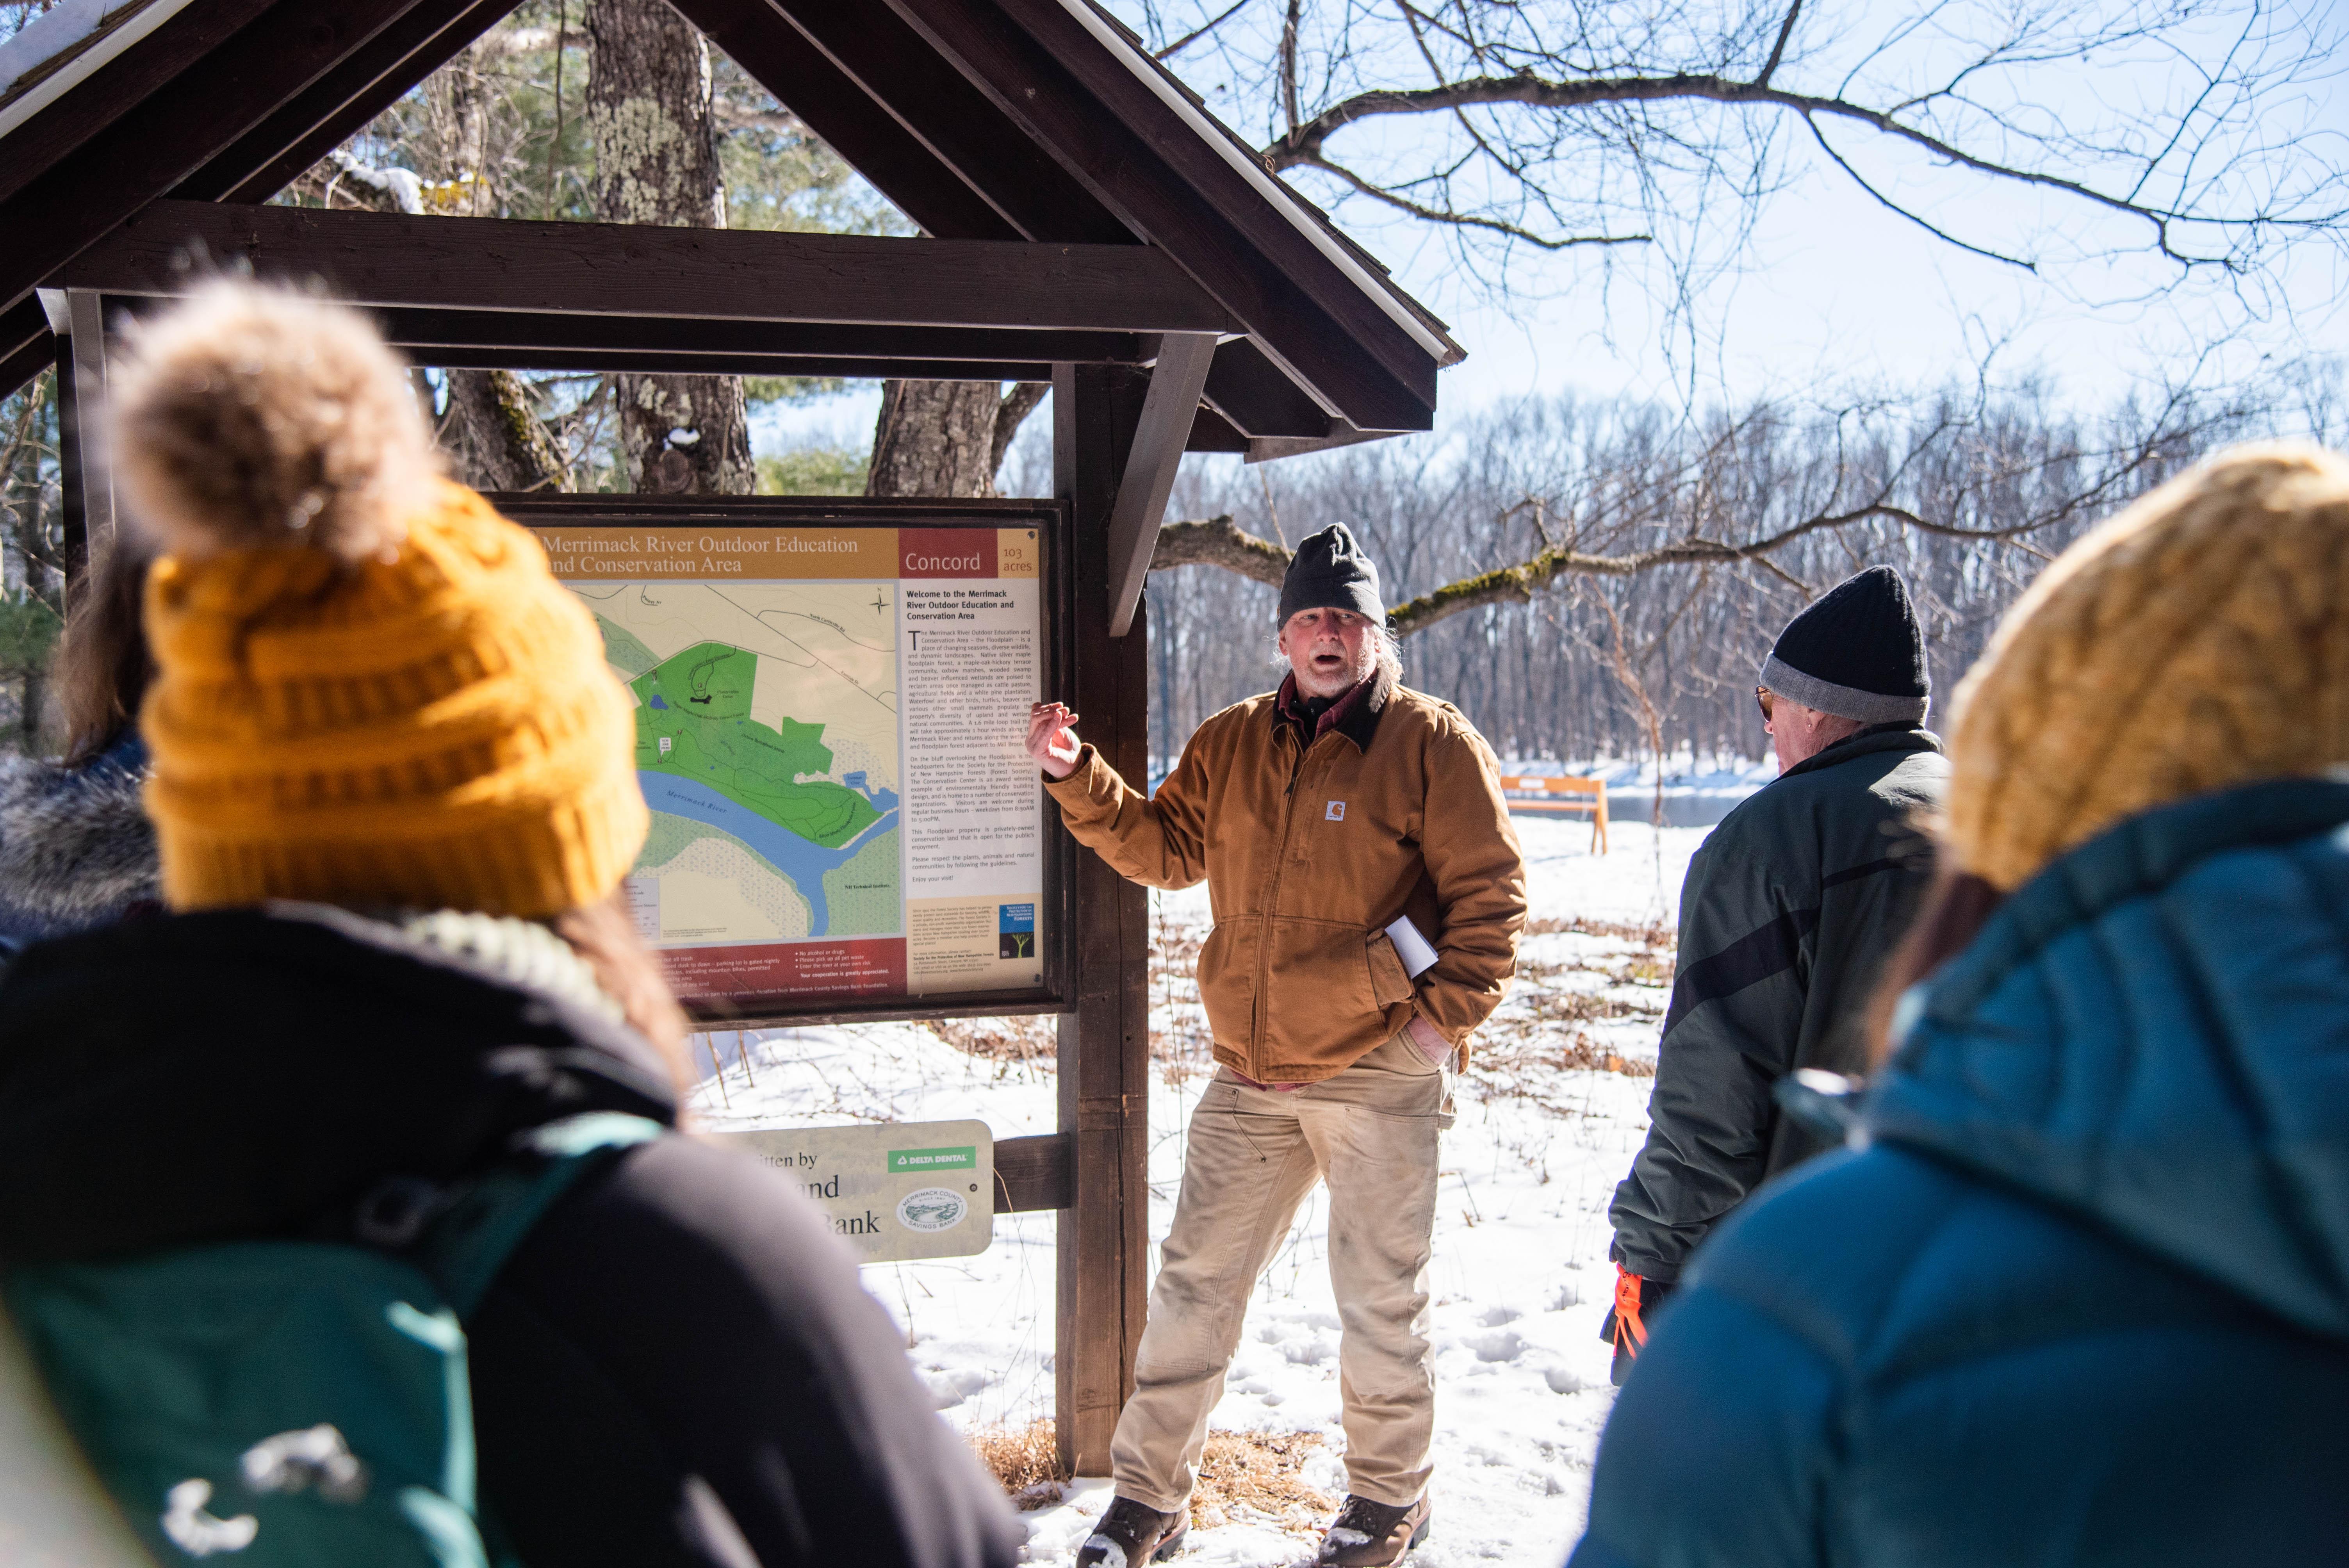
{"type": "Point", "coordinates": [1589, 566]}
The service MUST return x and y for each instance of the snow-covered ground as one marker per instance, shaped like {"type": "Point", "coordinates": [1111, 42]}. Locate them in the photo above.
{"type": "Point", "coordinates": [1548, 1120]}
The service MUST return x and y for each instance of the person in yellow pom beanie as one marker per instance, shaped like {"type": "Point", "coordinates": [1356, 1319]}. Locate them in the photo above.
{"type": "Point", "coordinates": [429, 726]}
{"type": "Point", "coordinates": [369, 688]}
{"type": "Point", "coordinates": [2196, 641]}
{"type": "Point", "coordinates": [2098, 1195]}
{"type": "Point", "coordinates": [385, 1096]}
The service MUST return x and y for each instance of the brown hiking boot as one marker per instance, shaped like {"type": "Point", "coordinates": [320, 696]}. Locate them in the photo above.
{"type": "Point", "coordinates": [1133, 1533]}
{"type": "Point", "coordinates": [1370, 1534]}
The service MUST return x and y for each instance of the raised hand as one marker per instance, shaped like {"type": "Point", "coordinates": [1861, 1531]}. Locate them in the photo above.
{"type": "Point", "coordinates": [1052, 738]}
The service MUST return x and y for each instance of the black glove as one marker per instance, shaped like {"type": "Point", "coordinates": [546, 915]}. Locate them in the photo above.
{"type": "Point", "coordinates": [1627, 1319]}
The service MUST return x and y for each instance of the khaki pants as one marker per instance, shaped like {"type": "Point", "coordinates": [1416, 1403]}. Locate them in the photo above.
{"type": "Point", "coordinates": [1370, 1133]}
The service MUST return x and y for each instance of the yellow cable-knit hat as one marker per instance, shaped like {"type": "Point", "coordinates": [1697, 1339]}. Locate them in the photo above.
{"type": "Point", "coordinates": [370, 690]}
{"type": "Point", "coordinates": [2197, 641]}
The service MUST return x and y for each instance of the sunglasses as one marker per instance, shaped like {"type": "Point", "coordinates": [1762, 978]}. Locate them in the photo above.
{"type": "Point", "coordinates": [1764, 696]}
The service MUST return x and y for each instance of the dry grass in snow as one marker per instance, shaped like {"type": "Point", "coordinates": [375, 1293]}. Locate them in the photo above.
{"type": "Point", "coordinates": [1023, 1461]}
{"type": "Point", "coordinates": [1244, 1478]}
{"type": "Point", "coordinates": [1006, 1041]}
{"type": "Point", "coordinates": [1257, 1477]}
{"type": "Point", "coordinates": [1586, 990]}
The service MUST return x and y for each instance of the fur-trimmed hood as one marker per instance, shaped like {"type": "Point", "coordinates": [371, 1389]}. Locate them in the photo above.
{"type": "Point", "coordinates": [75, 848]}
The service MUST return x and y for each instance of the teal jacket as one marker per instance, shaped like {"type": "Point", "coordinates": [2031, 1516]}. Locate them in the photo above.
{"type": "Point", "coordinates": [2081, 1298]}
{"type": "Point", "coordinates": [1789, 911]}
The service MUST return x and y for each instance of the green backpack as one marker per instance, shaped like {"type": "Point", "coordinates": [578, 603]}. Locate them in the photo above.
{"type": "Point", "coordinates": [293, 1404]}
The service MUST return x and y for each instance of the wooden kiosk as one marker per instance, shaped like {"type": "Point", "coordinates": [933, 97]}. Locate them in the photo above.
{"type": "Point", "coordinates": [1087, 222]}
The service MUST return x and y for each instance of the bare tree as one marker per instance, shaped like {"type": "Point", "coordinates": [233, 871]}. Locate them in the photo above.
{"type": "Point", "coordinates": [1666, 550]}
{"type": "Point", "coordinates": [1670, 125]}
{"type": "Point", "coordinates": [648, 110]}
{"type": "Point", "coordinates": [1687, 518]}
{"type": "Point", "coordinates": [31, 500]}
{"type": "Point", "coordinates": [32, 557]}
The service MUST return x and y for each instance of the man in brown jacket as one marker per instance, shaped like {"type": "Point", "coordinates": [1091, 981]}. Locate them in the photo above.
{"type": "Point", "coordinates": [1320, 815]}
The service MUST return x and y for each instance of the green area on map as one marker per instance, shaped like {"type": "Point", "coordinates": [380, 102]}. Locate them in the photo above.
{"type": "Point", "coordinates": [623, 650]}
{"type": "Point", "coordinates": [863, 894]}
{"type": "Point", "coordinates": [911, 1162]}
{"type": "Point", "coordinates": [699, 701]}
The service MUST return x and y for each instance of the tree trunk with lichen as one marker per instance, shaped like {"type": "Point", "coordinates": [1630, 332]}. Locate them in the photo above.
{"type": "Point", "coordinates": [945, 438]}
{"type": "Point", "coordinates": [496, 437]}
{"type": "Point", "coordinates": [934, 439]}
{"type": "Point", "coordinates": [490, 429]}
{"type": "Point", "coordinates": [649, 94]}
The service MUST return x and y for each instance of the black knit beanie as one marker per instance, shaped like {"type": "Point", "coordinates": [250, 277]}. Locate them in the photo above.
{"type": "Point", "coordinates": [1331, 572]}
{"type": "Point", "coordinates": [1858, 653]}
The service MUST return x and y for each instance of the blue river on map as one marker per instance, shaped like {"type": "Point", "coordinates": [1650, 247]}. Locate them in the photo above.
{"type": "Point", "coordinates": [795, 857]}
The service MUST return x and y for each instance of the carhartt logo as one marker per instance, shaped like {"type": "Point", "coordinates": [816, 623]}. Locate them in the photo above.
{"type": "Point", "coordinates": [1337, 812]}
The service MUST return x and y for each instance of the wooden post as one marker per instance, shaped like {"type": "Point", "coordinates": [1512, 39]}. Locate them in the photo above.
{"type": "Point", "coordinates": [86, 485]}
{"type": "Point", "coordinates": [1168, 412]}
{"type": "Point", "coordinates": [1104, 1057]}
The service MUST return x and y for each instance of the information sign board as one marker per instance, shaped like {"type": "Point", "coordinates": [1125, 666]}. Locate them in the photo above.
{"type": "Point", "coordinates": [898, 1191]}
{"type": "Point", "coordinates": [830, 724]}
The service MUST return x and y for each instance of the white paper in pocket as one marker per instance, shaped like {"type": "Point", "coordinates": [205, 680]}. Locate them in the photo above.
{"type": "Point", "coordinates": [1409, 946]}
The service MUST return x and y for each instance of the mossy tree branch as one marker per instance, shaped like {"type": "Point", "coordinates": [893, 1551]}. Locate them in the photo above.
{"type": "Point", "coordinates": [1220, 542]}
{"type": "Point", "coordinates": [2111, 474]}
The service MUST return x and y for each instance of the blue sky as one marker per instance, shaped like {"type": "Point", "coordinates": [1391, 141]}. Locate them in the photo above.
{"type": "Point", "coordinates": [1842, 289]}
{"type": "Point", "coordinates": [1837, 292]}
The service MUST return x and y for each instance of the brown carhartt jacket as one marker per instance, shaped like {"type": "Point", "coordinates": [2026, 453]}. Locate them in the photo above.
{"type": "Point", "coordinates": [1309, 851]}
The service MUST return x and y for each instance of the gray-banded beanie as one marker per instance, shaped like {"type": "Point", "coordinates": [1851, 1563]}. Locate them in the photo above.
{"type": "Point", "coordinates": [1329, 571]}
{"type": "Point", "coordinates": [1858, 653]}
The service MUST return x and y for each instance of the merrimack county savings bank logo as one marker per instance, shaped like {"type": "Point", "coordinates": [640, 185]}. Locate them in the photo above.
{"type": "Point", "coordinates": [932, 1208]}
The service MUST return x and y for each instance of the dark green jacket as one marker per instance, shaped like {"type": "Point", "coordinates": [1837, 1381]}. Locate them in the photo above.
{"type": "Point", "coordinates": [1789, 911]}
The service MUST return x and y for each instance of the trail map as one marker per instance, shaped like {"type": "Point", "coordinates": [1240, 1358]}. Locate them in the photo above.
{"type": "Point", "coordinates": [789, 856]}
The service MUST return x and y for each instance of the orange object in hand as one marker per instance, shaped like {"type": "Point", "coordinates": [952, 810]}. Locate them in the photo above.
{"type": "Point", "coordinates": [1631, 1332]}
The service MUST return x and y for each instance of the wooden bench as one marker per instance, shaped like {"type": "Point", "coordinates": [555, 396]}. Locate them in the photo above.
{"type": "Point", "coordinates": [1538, 794]}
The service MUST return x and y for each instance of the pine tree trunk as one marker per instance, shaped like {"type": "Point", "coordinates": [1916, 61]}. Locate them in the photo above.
{"type": "Point", "coordinates": [945, 439]}
{"type": "Point", "coordinates": [657, 162]}
{"type": "Point", "coordinates": [935, 439]}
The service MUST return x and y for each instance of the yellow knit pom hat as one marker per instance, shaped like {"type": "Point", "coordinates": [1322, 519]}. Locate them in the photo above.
{"type": "Point", "coordinates": [2197, 641]}
{"type": "Point", "coordinates": [370, 690]}
{"type": "Point", "coordinates": [437, 730]}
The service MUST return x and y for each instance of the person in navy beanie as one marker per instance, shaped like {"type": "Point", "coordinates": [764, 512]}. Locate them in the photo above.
{"type": "Point", "coordinates": [1789, 912]}
{"type": "Point", "coordinates": [2075, 1292]}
